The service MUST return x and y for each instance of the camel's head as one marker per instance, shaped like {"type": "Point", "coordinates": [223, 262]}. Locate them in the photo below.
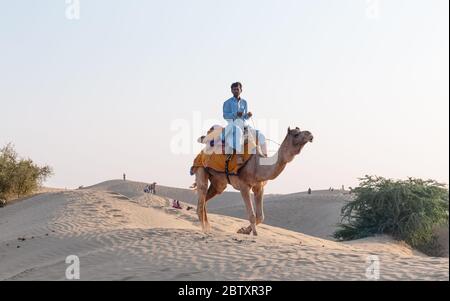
{"type": "Point", "coordinates": [297, 139]}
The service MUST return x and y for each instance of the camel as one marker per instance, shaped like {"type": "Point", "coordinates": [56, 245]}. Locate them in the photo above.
{"type": "Point", "coordinates": [252, 177]}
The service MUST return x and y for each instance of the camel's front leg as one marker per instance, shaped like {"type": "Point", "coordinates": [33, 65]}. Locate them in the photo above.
{"type": "Point", "coordinates": [245, 192]}
{"type": "Point", "coordinates": [259, 194]}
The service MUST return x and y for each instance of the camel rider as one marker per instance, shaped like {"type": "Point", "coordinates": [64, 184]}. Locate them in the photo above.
{"type": "Point", "coordinates": [235, 112]}
{"type": "Point", "coordinates": [236, 107]}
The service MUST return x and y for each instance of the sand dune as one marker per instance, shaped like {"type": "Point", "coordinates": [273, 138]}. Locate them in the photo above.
{"type": "Point", "coordinates": [120, 233]}
{"type": "Point", "coordinates": [226, 199]}
{"type": "Point", "coordinates": [316, 214]}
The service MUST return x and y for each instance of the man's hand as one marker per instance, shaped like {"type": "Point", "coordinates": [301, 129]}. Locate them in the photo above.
{"type": "Point", "coordinates": [249, 114]}
{"type": "Point", "coordinates": [239, 114]}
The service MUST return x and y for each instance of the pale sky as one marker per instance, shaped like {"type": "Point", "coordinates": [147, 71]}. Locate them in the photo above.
{"type": "Point", "coordinates": [104, 94]}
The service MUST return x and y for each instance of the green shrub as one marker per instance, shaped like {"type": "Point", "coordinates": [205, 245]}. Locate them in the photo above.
{"type": "Point", "coordinates": [19, 177]}
{"type": "Point", "coordinates": [408, 210]}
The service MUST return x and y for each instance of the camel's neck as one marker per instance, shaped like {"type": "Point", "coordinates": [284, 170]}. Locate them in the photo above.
{"type": "Point", "coordinates": [269, 172]}
{"type": "Point", "coordinates": [270, 168]}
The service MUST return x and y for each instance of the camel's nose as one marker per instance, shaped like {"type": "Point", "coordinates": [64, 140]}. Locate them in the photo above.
{"type": "Point", "coordinates": [311, 138]}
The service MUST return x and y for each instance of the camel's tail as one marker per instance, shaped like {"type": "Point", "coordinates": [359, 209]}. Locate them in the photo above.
{"type": "Point", "coordinates": [193, 186]}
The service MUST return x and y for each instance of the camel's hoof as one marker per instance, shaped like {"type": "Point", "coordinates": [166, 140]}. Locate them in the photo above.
{"type": "Point", "coordinates": [244, 230]}
{"type": "Point", "coordinates": [206, 228]}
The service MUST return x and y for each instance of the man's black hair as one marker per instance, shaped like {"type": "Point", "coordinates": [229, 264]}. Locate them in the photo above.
{"type": "Point", "coordinates": [237, 84]}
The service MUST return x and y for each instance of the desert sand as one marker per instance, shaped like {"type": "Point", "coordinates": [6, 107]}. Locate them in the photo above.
{"type": "Point", "coordinates": [120, 233]}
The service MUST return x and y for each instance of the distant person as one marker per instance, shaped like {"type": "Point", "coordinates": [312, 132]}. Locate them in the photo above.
{"type": "Point", "coordinates": [309, 191]}
{"type": "Point", "coordinates": [153, 188]}
{"type": "Point", "coordinates": [124, 177]}
{"type": "Point", "coordinates": [176, 204]}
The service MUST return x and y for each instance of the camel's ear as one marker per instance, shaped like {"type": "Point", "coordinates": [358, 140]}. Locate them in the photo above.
{"type": "Point", "coordinates": [289, 130]}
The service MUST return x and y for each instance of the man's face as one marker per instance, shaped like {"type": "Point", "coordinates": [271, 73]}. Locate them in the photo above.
{"type": "Point", "coordinates": [236, 91]}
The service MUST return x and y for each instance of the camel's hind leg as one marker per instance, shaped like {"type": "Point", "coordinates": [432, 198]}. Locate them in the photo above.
{"type": "Point", "coordinates": [201, 178]}
{"type": "Point", "coordinates": [209, 195]}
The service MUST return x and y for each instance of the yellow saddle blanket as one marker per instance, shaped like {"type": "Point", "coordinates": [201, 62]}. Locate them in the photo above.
{"type": "Point", "coordinates": [214, 157]}
{"type": "Point", "coordinates": [218, 162]}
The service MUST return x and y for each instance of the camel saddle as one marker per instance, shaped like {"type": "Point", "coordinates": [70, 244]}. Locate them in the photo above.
{"type": "Point", "coordinates": [217, 160]}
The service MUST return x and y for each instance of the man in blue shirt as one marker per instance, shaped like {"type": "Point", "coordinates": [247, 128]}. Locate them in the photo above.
{"type": "Point", "coordinates": [236, 107]}
{"type": "Point", "coordinates": [235, 112]}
